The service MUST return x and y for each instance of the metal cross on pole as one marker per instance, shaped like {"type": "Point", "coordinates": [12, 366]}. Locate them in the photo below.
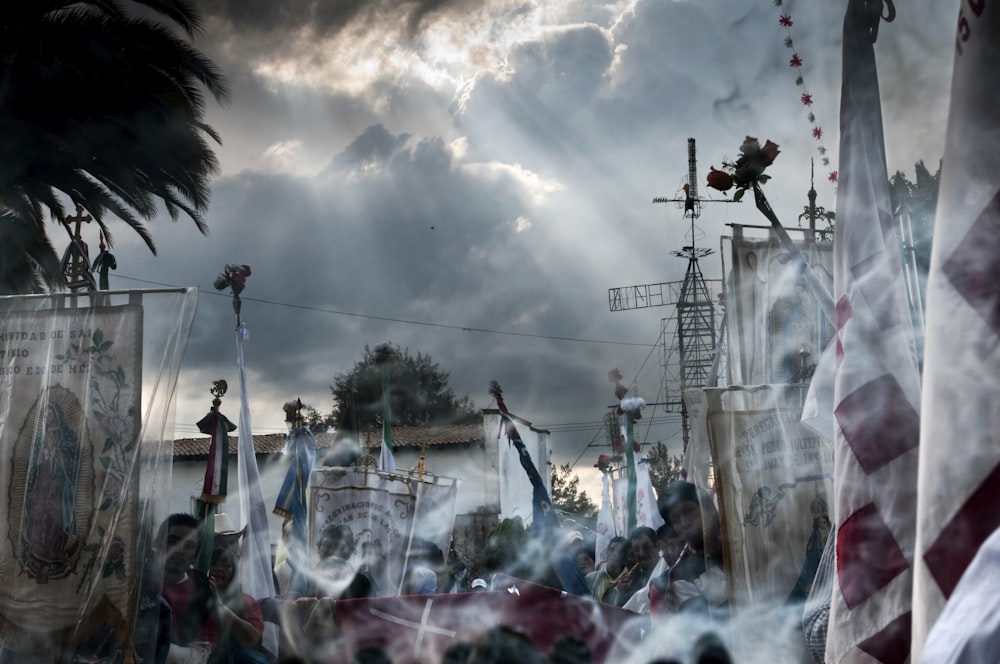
{"type": "Point", "coordinates": [75, 263]}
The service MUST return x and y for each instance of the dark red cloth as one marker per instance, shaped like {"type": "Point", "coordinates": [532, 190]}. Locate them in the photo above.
{"type": "Point", "coordinates": [418, 628]}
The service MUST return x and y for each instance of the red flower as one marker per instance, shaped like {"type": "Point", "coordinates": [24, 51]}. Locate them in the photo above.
{"type": "Point", "coordinates": [817, 133]}
{"type": "Point", "coordinates": [807, 99]}
{"type": "Point", "coordinates": [796, 61]}
{"type": "Point", "coordinates": [832, 177]}
{"type": "Point", "coordinates": [769, 152]}
{"type": "Point", "coordinates": [785, 21]}
{"type": "Point", "coordinates": [720, 180]}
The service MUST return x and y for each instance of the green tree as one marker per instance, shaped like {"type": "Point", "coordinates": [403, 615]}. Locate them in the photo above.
{"type": "Point", "coordinates": [419, 394]}
{"type": "Point", "coordinates": [317, 421]}
{"type": "Point", "coordinates": [566, 495]}
{"type": "Point", "coordinates": [104, 109]}
{"type": "Point", "coordinates": [664, 467]}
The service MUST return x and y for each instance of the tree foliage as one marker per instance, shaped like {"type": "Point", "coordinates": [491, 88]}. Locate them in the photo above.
{"type": "Point", "coordinates": [102, 107]}
{"type": "Point", "coordinates": [917, 200]}
{"type": "Point", "coordinates": [419, 394]}
{"type": "Point", "coordinates": [317, 421]}
{"type": "Point", "coordinates": [567, 496]}
{"type": "Point", "coordinates": [664, 467]}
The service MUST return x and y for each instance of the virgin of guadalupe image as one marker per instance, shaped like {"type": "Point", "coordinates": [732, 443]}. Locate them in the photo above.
{"type": "Point", "coordinates": [50, 467]}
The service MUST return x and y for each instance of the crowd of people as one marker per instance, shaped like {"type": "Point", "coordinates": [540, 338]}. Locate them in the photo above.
{"type": "Point", "coordinates": [206, 618]}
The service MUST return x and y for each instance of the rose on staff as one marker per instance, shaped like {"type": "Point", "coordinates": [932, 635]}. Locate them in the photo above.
{"type": "Point", "coordinates": [747, 170]}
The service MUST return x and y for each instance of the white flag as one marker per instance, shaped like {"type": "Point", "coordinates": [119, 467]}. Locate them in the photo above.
{"type": "Point", "coordinates": [256, 570]}
{"type": "Point", "coordinates": [605, 521]}
{"type": "Point", "coordinates": [959, 499]}
{"type": "Point", "coordinates": [876, 384]}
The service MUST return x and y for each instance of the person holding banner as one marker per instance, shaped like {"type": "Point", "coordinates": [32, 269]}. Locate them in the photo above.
{"type": "Point", "coordinates": [697, 581]}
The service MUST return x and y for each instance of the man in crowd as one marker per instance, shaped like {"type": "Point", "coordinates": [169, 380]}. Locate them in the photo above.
{"type": "Point", "coordinates": [603, 583]}
{"type": "Point", "coordinates": [187, 591]}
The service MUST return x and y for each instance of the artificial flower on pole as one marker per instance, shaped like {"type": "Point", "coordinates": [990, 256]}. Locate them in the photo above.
{"type": "Point", "coordinates": [745, 171]}
{"type": "Point", "coordinates": [748, 172]}
{"type": "Point", "coordinates": [234, 276]}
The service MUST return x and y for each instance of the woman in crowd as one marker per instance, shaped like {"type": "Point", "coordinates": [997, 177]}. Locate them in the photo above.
{"type": "Point", "coordinates": [241, 625]}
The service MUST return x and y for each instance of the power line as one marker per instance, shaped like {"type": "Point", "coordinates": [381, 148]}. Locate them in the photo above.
{"type": "Point", "coordinates": [463, 328]}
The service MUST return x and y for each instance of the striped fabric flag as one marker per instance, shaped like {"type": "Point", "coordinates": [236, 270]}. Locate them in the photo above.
{"type": "Point", "coordinates": [630, 408]}
{"type": "Point", "coordinates": [959, 485]}
{"type": "Point", "coordinates": [218, 426]}
{"type": "Point", "coordinates": [876, 383]}
{"type": "Point", "coordinates": [382, 353]}
{"type": "Point", "coordinates": [544, 521]}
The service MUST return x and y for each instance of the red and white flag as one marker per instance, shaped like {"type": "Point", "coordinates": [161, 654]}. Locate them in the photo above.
{"type": "Point", "coordinates": [876, 384]}
{"type": "Point", "coordinates": [959, 498]}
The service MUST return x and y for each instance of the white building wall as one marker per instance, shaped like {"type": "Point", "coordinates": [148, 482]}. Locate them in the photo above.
{"type": "Point", "coordinates": [490, 476]}
{"type": "Point", "coordinates": [189, 476]}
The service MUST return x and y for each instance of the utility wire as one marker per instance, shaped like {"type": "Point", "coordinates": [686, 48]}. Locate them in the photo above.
{"type": "Point", "coordinates": [463, 328]}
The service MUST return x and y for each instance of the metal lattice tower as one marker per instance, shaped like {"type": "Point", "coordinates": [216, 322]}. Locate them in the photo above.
{"type": "Point", "coordinates": [690, 346]}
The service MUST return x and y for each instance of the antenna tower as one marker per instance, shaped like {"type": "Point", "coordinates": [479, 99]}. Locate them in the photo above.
{"type": "Point", "coordinates": [690, 338]}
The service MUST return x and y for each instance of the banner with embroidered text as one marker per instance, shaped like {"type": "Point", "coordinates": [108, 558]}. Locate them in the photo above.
{"type": "Point", "coordinates": [73, 379]}
{"type": "Point", "coordinates": [774, 486]}
{"type": "Point", "coordinates": [87, 387]}
{"type": "Point", "coordinates": [391, 517]}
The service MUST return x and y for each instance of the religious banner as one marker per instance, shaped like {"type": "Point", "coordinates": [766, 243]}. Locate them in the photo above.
{"type": "Point", "coordinates": [389, 515]}
{"type": "Point", "coordinates": [776, 326]}
{"type": "Point", "coordinates": [68, 540]}
{"type": "Point", "coordinates": [774, 485]}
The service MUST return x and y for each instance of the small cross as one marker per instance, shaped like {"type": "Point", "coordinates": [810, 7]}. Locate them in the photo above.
{"type": "Point", "coordinates": [421, 627]}
{"type": "Point", "coordinates": [80, 218]}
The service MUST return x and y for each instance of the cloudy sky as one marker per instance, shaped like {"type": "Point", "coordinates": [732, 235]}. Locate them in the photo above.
{"type": "Point", "coordinates": [468, 178]}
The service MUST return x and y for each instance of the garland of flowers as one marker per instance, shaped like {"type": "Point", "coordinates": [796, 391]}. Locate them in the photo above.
{"type": "Point", "coordinates": [806, 98]}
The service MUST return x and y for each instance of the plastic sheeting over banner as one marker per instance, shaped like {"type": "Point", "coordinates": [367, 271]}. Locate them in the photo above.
{"type": "Point", "coordinates": [774, 483]}
{"type": "Point", "coordinates": [774, 324]}
{"type": "Point", "coordinates": [87, 388]}
{"type": "Point", "coordinates": [388, 514]}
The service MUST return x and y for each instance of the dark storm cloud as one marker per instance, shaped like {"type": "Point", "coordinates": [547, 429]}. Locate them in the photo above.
{"type": "Point", "coordinates": [325, 17]}
{"type": "Point", "coordinates": [374, 145]}
{"type": "Point", "coordinates": [377, 210]}
{"type": "Point", "coordinates": [552, 82]}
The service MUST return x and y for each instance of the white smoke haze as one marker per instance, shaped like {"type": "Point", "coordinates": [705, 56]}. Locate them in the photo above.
{"type": "Point", "coordinates": [469, 179]}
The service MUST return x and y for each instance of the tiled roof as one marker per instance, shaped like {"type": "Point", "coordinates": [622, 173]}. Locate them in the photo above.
{"type": "Point", "coordinates": [274, 443]}
{"type": "Point", "coordinates": [265, 443]}
{"type": "Point", "coordinates": [447, 434]}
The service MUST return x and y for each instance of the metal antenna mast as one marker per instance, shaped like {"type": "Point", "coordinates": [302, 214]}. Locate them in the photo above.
{"type": "Point", "coordinates": [692, 346]}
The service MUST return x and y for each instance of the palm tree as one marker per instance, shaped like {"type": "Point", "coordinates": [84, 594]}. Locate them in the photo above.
{"type": "Point", "coordinates": [100, 108]}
